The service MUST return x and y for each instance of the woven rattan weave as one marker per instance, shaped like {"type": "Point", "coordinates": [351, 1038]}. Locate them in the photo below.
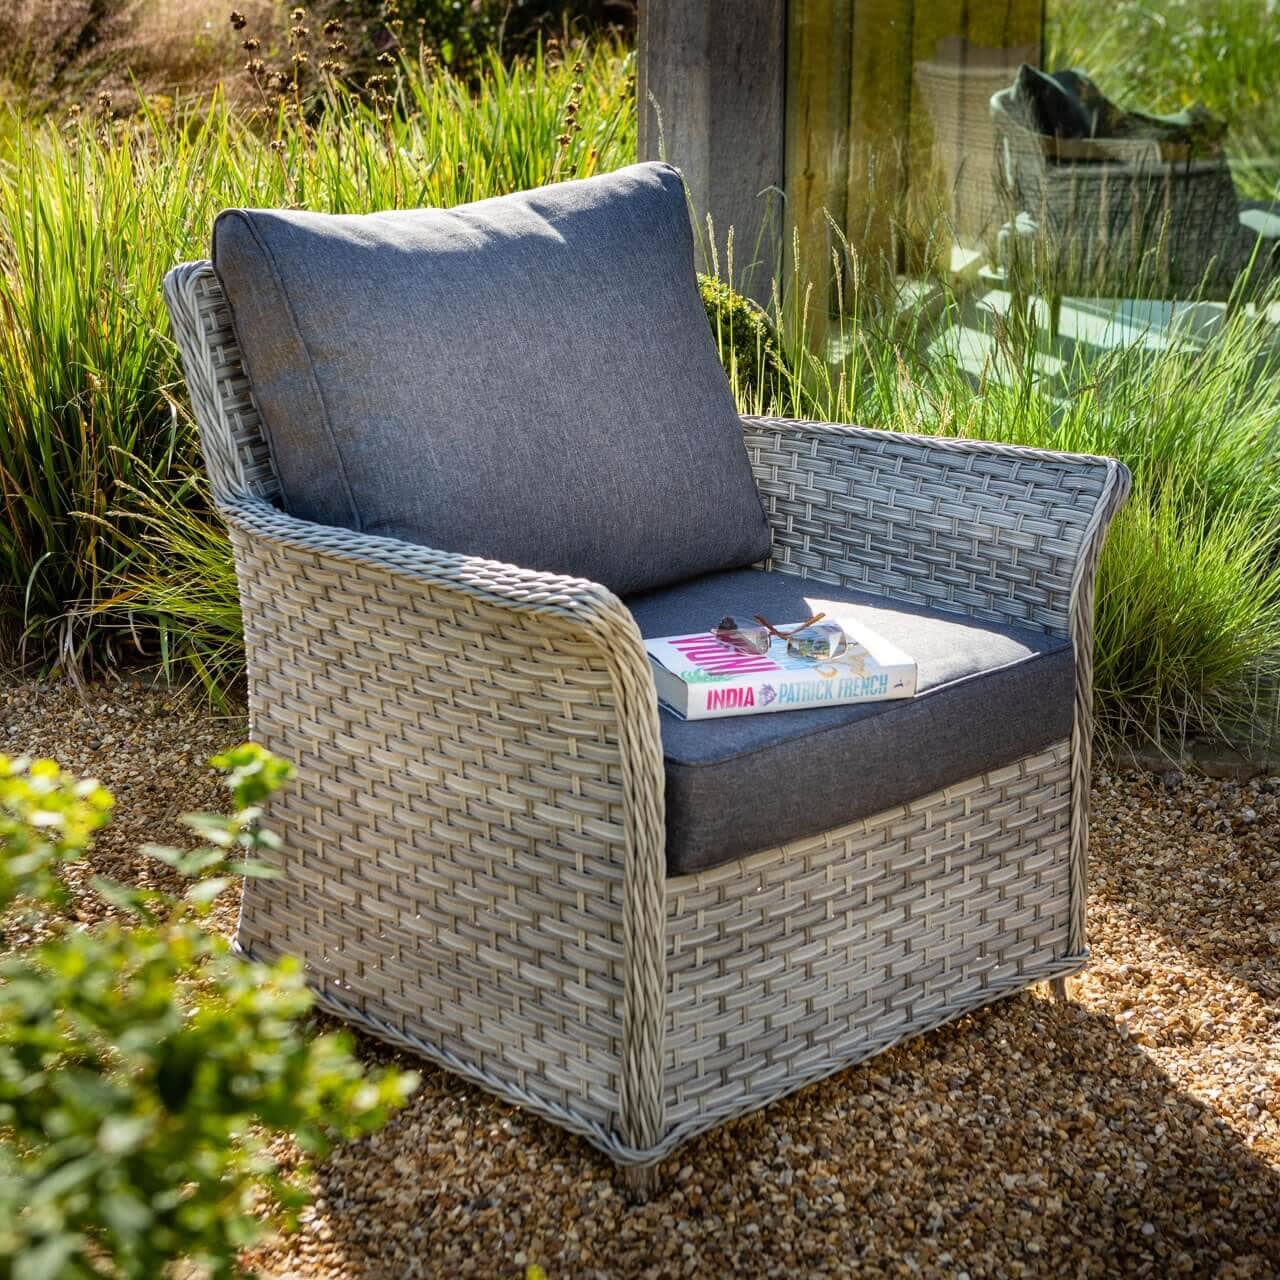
{"type": "Point", "coordinates": [473, 862]}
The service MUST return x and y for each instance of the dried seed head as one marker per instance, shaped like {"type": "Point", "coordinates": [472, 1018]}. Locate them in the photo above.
{"type": "Point", "coordinates": [237, 20]}
{"type": "Point", "coordinates": [255, 66]}
{"type": "Point", "coordinates": [332, 27]}
{"type": "Point", "coordinates": [251, 45]}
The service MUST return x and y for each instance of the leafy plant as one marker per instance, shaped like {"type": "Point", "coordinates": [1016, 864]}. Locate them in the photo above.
{"type": "Point", "coordinates": [144, 1067]}
{"type": "Point", "coordinates": [1188, 604]}
{"type": "Point", "coordinates": [107, 532]}
{"type": "Point", "coordinates": [745, 338]}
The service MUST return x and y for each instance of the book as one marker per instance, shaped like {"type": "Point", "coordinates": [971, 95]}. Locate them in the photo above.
{"type": "Point", "coordinates": [699, 677]}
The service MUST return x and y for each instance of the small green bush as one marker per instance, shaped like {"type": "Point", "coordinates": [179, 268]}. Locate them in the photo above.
{"type": "Point", "coordinates": [746, 341]}
{"type": "Point", "coordinates": [144, 1067]}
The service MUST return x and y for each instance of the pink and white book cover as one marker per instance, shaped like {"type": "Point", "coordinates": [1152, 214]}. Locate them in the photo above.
{"type": "Point", "coordinates": [702, 678]}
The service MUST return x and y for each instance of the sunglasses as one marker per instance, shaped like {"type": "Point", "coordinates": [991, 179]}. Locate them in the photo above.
{"type": "Point", "coordinates": [808, 640]}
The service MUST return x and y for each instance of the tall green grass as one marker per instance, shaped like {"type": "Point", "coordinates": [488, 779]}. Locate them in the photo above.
{"type": "Point", "coordinates": [1188, 607]}
{"type": "Point", "coordinates": [108, 534]}
{"type": "Point", "coordinates": [91, 404]}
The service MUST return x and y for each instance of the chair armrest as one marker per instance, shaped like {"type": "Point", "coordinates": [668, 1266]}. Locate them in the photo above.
{"type": "Point", "coordinates": [988, 530]}
{"type": "Point", "coordinates": [504, 695]}
{"type": "Point", "coordinates": [965, 526]}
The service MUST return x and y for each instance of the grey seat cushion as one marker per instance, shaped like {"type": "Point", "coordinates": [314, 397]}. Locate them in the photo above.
{"type": "Point", "coordinates": [987, 695]}
{"type": "Point", "coordinates": [530, 379]}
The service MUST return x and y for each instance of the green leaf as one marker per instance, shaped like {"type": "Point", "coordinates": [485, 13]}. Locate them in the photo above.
{"type": "Point", "coordinates": [204, 891]}
{"type": "Point", "coordinates": [48, 1259]}
{"type": "Point", "coordinates": [258, 870]}
{"type": "Point", "coordinates": [121, 1134]}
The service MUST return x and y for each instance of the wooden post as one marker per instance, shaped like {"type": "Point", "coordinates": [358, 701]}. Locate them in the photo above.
{"type": "Point", "coordinates": [710, 85]}
{"type": "Point", "coordinates": [823, 99]}
{"type": "Point", "coordinates": [817, 144]}
{"type": "Point", "coordinates": [879, 103]}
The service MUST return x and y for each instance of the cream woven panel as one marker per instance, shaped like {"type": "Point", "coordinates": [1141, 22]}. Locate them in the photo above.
{"type": "Point", "coordinates": [453, 843]}
{"type": "Point", "coordinates": [792, 962]}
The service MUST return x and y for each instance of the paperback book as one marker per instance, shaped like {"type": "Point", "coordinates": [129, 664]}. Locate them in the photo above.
{"type": "Point", "coordinates": [701, 677]}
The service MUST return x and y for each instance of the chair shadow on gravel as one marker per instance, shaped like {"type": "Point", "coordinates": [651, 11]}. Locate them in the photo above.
{"type": "Point", "coordinates": [1026, 1139]}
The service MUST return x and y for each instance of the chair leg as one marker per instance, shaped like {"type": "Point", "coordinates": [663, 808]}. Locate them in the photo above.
{"type": "Point", "coordinates": [1058, 988]}
{"type": "Point", "coordinates": [640, 1183]}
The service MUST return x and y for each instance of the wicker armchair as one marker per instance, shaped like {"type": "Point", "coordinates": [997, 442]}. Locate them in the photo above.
{"type": "Point", "coordinates": [473, 861]}
{"type": "Point", "coordinates": [1122, 218]}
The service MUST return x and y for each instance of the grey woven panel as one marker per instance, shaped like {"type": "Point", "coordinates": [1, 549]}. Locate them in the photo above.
{"type": "Point", "coordinates": [454, 846]}
{"type": "Point", "coordinates": [830, 949]}
{"type": "Point", "coordinates": [960, 526]}
{"type": "Point", "coordinates": [231, 437]}
{"type": "Point", "coordinates": [473, 860]}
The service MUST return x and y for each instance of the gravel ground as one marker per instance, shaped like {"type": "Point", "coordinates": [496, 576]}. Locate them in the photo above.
{"type": "Point", "coordinates": [1134, 1131]}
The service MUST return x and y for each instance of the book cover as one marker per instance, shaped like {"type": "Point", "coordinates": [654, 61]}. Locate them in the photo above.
{"type": "Point", "coordinates": [700, 678]}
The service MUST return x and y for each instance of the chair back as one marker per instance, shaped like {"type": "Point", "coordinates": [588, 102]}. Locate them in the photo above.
{"type": "Point", "coordinates": [957, 91]}
{"type": "Point", "coordinates": [237, 457]}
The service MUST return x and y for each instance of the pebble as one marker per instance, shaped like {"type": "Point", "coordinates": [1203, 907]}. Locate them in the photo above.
{"type": "Point", "coordinates": [1130, 1131]}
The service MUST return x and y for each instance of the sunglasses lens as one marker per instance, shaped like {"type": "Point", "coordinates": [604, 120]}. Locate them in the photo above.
{"type": "Point", "coordinates": [821, 641]}
{"type": "Point", "coordinates": [746, 637]}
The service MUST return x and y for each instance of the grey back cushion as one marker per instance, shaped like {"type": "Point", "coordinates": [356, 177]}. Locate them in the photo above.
{"type": "Point", "coordinates": [529, 379]}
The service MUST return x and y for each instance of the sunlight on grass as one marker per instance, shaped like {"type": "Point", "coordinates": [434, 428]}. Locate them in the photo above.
{"type": "Point", "coordinates": [108, 547]}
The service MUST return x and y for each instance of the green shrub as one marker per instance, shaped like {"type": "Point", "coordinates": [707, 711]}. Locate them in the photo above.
{"type": "Point", "coordinates": [745, 338]}
{"type": "Point", "coordinates": [101, 484]}
{"type": "Point", "coordinates": [1188, 612]}
{"type": "Point", "coordinates": [1188, 604]}
{"type": "Point", "coordinates": [144, 1068]}
{"type": "Point", "coordinates": [464, 34]}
